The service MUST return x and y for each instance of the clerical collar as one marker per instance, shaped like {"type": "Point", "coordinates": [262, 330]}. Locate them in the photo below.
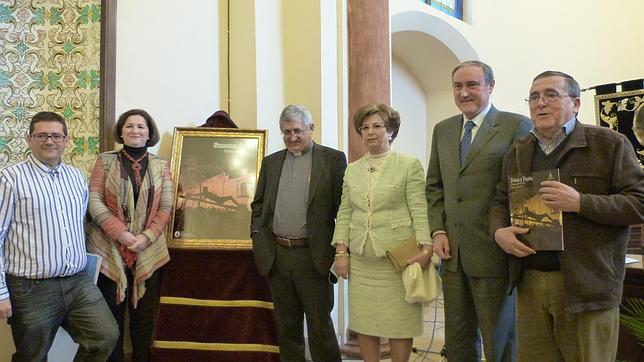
{"type": "Point", "coordinates": [303, 152]}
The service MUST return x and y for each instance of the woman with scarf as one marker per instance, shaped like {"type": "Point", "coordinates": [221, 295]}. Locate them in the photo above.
{"type": "Point", "coordinates": [130, 203]}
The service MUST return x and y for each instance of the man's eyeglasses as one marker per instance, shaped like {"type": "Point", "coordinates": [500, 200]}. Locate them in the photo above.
{"type": "Point", "coordinates": [547, 97]}
{"type": "Point", "coordinates": [375, 127]}
{"type": "Point", "coordinates": [42, 137]}
{"type": "Point", "coordinates": [294, 131]}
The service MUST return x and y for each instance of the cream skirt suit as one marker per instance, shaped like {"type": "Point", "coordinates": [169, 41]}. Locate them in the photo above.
{"type": "Point", "coordinates": [383, 203]}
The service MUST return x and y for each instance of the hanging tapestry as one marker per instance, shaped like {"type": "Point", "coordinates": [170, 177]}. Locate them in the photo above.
{"type": "Point", "coordinates": [616, 111]}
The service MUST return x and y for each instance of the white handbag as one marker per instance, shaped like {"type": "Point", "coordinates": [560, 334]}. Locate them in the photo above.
{"type": "Point", "coordinates": [421, 286]}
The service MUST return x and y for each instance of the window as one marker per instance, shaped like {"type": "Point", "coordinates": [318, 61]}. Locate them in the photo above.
{"type": "Point", "coordinates": [450, 7]}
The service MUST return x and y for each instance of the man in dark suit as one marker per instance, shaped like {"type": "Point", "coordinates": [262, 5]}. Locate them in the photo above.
{"type": "Point", "coordinates": [464, 168]}
{"type": "Point", "coordinates": [292, 224]}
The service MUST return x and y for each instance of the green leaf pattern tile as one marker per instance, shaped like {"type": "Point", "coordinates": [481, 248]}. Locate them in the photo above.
{"type": "Point", "coordinates": [50, 61]}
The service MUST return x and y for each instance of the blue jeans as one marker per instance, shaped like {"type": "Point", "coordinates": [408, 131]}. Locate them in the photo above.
{"type": "Point", "coordinates": [41, 306]}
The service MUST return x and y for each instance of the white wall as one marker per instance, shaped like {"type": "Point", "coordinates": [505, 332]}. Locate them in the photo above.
{"type": "Point", "coordinates": [440, 105]}
{"type": "Point", "coordinates": [594, 42]}
{"type": "Point", "coordinates": [408, 98]}
{"type": "Point", "coordinates": [330, 73]}
{"type": "Point", "coordinates": [167, 62]}
{"type": "Point", "coordinates": [270, 86]}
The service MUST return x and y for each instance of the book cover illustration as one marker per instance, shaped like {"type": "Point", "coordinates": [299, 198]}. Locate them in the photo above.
{"type": "Point", "coordinates": [527, 209]}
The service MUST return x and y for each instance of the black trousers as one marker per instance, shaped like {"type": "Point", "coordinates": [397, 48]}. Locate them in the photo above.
{"type": "Point", "coordinates": [141, 318]}
{"type": "Point", "coordinates": [299, 292]}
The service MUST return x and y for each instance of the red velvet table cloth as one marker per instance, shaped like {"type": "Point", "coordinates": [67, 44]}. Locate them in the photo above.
{"type": "Point", "coordinates": [214, 307]}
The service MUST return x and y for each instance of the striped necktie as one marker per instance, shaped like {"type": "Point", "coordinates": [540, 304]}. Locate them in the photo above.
{"type": "Point", "coordinates": [466, 141]}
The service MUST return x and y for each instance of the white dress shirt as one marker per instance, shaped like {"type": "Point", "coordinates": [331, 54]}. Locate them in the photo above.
{"type": "Point", "coordinates": [42, 210]}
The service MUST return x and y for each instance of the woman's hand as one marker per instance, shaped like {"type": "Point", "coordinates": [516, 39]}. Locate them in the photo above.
{"type": "Point", "coordinates": [424, 258]}
{"type": "Point", "coordinates": [126, 238]}
{"type": "Point", "coordinates": [141, 243]}
{"type": "Point", "coordinates": [342, 266]}
{"type": "Point", "coordinates": [342, 261]}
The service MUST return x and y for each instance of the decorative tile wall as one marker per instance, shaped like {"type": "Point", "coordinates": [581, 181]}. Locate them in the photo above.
{"type": "Point", "coordinates": [50, 61]}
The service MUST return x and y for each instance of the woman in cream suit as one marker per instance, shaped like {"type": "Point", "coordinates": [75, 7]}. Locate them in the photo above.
{"type": "Point", "coordinates": [383, 204]}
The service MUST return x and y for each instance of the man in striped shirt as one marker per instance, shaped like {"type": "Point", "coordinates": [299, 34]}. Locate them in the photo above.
{"type": "Point", "coordinates": [42, 252]}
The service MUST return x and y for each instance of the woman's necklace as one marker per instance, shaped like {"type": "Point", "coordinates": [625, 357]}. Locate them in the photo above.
{"type": "Point", "coordinates": [136, 166]}
{"type": "Point", "coordinates": [373, 166]}
{"type": "Point", "coordinates": [375, 161]}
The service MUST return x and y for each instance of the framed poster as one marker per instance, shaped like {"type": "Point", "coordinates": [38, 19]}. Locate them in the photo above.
{"type": "Point", "coordinates": [215, 172]}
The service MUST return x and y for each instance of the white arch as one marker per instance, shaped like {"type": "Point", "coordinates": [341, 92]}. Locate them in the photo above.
{"type": "Point", "coordinates": [426, 45]}
{"type": "Point", "coordinates": [410, 15]}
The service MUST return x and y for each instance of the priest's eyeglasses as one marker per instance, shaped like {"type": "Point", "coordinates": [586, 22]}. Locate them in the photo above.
{"type": "Point", "coordinates": [547, 97]}
{"type": "Point", "coordinates": [295, 131]}
{"type": "Point", "coordinates": [43, 137]}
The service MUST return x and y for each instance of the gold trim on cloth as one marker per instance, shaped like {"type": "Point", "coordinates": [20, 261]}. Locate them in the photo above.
{"type": "Point", "coordinates": [238, 347]}
{"type": "Point", "coordinates": [216, 303]}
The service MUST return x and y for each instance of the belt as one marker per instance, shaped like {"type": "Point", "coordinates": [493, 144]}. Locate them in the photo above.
{"type": "Point", "coordinates": [292, 243]}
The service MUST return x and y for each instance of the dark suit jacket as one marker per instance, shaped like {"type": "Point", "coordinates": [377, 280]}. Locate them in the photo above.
{"type": "Point", "coordinates": [325, 191]}
{"type": "Point", "coordinates": [459, 197]}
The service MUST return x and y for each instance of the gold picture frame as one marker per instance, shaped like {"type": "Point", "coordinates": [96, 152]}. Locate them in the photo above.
{"type": "Point", "coordinates": [215, 172]}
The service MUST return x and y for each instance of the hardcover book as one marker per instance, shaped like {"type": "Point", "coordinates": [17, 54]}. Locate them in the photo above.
{"type": "Point", "coordinates": [528, 210]}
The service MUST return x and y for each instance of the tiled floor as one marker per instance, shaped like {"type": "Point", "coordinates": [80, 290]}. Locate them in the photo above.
{"type": "Point", "coordinates": [433, 336]}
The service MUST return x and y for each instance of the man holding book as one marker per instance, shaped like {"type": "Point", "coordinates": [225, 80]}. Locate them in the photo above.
{"type": "Point", "coordinates": [568, 301]}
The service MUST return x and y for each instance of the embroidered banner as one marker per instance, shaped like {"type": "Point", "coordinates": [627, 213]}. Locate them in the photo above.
{"type": "Point", "coordinates": [616, 111]}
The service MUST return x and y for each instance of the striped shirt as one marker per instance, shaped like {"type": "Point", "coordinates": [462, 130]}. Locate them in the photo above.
{"type": "Point", "coordinates": [547, 146]}
{"type": "Point", "coordinates": [42, 210]}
